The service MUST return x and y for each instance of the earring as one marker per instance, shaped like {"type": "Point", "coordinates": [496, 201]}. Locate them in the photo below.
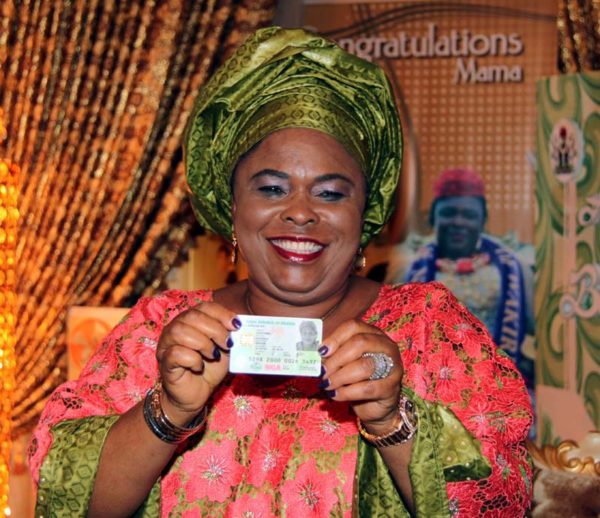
{"type": "Point", "coordinates": [234, 245]}
{"type": "Point", "coordinates": [360, 260]}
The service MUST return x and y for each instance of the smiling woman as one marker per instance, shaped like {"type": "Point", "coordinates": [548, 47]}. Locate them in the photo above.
{"type": "Point", "coordinates": [293, 152]}
{"type": "Point", "coordinates": [297, 211]}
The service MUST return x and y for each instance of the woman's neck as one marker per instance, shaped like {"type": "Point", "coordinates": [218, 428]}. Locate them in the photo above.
{"type": "Point", "coordinates": [258, 302]}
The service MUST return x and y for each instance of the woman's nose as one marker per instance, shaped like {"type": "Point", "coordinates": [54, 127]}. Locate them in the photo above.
{"type": "Point", "coordinates": [299, 210]}
{"type": "Point", "coordinates": [458, 220]}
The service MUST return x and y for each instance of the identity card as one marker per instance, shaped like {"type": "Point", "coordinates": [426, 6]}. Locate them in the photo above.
{"type": "Point", "coordinates": [277, 345]}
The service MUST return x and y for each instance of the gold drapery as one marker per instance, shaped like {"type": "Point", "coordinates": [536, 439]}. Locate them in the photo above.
{"type": "Point", "coordinates": [96, 94]}
{"type": "Point", "coordinates": [9, 217]}
{"type": "Point", "coordinates": [578, 35]}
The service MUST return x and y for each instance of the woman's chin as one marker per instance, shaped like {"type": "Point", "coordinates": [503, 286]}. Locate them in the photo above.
{"type": "Point", "coordinates": [299, 284]}
{"type": "Point", "coordinates": [303, 290]}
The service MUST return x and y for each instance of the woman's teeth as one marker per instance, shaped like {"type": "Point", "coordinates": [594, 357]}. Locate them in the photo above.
{"type": "Point", "coordinates": [298, 247]}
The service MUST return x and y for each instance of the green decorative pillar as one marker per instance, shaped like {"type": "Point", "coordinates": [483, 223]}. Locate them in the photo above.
{"type": "Point", "coordinates": [567, 241]}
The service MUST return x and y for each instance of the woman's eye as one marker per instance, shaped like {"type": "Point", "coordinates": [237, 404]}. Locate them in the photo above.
{"type": "Point", "coordinates": [271, 190]}
{"type": "Point", "coordinates": [330, 195]}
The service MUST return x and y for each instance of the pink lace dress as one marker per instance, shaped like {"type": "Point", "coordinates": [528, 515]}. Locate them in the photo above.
{"type": "Point", "coordinates": [278, 447]}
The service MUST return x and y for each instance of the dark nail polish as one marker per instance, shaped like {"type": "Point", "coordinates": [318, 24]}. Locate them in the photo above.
{"type": "Point", "coordinates": [237, 323]}
{"type": "Point", "coordinates": [323, 371]}
{"type": "Point", "coordinates": [216, 354]}
{"type": "Point", "coordinates": [229, 342]}
{"type": "Point", "coordinates": [324, 384]}
{"type": "Point", "coordinates": [330, 393]}
{"type": "Point", "coordinates": [323, 350]}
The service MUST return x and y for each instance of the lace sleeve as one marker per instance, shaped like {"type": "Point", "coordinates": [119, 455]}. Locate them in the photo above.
{"type": "Point", "coordinates": [450, 360]}
{"type": "Point", "coordinates": [118, 374]}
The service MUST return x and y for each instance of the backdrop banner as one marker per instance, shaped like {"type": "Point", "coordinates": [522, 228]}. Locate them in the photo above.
{"type": "Point", "coordinates": [465, 76]}
{"type": "Point", "coordinates": [567, 240]}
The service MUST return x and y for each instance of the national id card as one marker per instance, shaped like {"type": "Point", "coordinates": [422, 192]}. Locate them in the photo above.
{"type": "Point", "coordinates": [277, 345]}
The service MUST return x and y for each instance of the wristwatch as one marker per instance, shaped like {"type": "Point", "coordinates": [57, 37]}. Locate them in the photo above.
{"type": "Point", "coordinates": [405, 426]}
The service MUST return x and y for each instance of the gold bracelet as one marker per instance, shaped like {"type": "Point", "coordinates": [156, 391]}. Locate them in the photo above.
{"type": "Point", "coordinates": [403, 430]}
{"type": "Point", "coordinates": [160, 424]}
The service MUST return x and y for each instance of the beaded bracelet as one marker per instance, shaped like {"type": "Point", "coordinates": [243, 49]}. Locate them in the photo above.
{"type": "Point", "coordinates": [161, 425]}
{"type": "Point", "coordinates": [403, 430]}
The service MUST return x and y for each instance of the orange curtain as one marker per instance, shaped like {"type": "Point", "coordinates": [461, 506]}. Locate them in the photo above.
{"type": "Point", "coordinates": [579, 35]}
{"type": "Point", "coordinates": [95, 95]}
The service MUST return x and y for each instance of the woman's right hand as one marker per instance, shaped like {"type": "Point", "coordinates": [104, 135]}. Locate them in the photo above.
{"type": "Point", "coordinates": [193, 359]}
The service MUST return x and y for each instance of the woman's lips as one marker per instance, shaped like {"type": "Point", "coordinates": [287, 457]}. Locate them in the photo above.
{"type": "Point", "coordinates": [298, 250]}
{"type": "Point", "coordinates": [458, 235]}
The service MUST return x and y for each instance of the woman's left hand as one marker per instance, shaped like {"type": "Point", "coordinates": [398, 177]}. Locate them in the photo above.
{"type": "Point", "coordinates": [347, 373]}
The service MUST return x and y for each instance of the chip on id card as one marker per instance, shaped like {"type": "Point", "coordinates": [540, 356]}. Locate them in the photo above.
{"type": "Point", "coordinates": [277, 345]}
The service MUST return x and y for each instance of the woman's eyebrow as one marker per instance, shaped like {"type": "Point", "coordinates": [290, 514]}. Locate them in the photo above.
{"type": "Point", "coordinates": [285, 176]}
{"type": "Point", "coordinates": [270, 172]}
{"type": "Point", "coordinates": [334, 176]}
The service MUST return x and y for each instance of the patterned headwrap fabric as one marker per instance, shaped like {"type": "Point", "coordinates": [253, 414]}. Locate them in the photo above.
{"type": "Point", "coordinates": [458, 182]}
{"type": "Point", "coordinates": [292, 78]}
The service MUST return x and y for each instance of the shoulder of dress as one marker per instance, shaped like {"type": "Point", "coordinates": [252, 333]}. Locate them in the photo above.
{"type": "Point", "coordinates": [430, 301]}
{"type": "Point", "coordinates": [175, 300]}
{"type": "Point", "coordinates": [175, 296]}
{"type": "Point", "coordinates": [415, 294]}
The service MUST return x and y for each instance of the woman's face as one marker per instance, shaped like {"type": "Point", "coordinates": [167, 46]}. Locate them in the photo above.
{"type": "Point", "coordinates": [458, 222]}
{"type": "Point", "coordinates": [308, 334]}
{"type": "Point", "coordinates": [298, 203]}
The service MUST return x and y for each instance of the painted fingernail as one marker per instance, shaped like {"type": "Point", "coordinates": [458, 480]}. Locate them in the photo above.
{"type": "Point", "coordinates": [323, 371]}
{"type": "Point", "coordinates": [330, 393]}
{"type": "Point", "coordinates": [229, 342]}
{"type": "Point", "coordinates": [216, 354]}
{"type": "Point", "coordinates": [324, 384]}
{"type": "Point", "coordinates": [323, 350]}
{"type": "Point", "coordinates": [237, 323]}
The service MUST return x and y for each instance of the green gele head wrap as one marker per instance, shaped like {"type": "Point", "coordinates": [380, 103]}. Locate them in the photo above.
{"type": "Point", "coordinates": [283, 78]}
